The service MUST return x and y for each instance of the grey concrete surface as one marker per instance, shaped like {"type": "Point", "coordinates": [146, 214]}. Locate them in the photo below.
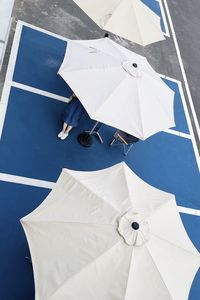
{"type": "Point", "coordinates": [65, 18]}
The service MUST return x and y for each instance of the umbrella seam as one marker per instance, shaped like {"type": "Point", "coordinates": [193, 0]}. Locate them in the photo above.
{"type": "Point", "coordinates": [143, 43]}
{"type": "Point", "coordinates": [176, 246]}
{"type": "Point", "coordinates": [92, 191]}
{"type": "Point", "coordinates": [152, 23]}
{"type": "Point", "coordinates": [113, 11]}
{"type": "Point", "coordinates": [71, 222]}
{"type": "Point", "coordinates": [95, 259]}
{"type": "Point", "coordinates": [159, 272]}
{"type": "Point", "coordinates": [158, 100]}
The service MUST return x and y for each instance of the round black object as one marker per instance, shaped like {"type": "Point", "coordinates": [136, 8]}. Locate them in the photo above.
{"type": "Point", "coordinates": [135, 65]}
{"type": "Point", "coordinates": [106, 35]}
{"type": "Point", "coordinates": [85, 139]}
{"type": "Point", "coordinates": [135, 225]}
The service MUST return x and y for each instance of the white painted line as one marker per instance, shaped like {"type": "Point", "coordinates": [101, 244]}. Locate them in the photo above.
{"type": "Point", "coordinates": [49, 185]}
{"type": "Point", "coordinates": [189, 211]}
{"type": "Point", "coordinates": [182, 69]}
{"type": "Point", "coordinates": [166, 33]}
{"type": "Point", "coordinates": [196, 152]}
{"type": "Point", "coordinates": [39, 92]}
{"type": "Point", "coordinates": [178, 133]}
{"type": "Point", "coordinates": [169, 78]}
{"type": "Point", "coordinates": [26, 181]}
{"type": "Point", "coordinates": [21, 23]}
{"type": "Point", "coordinates": [9, 75]}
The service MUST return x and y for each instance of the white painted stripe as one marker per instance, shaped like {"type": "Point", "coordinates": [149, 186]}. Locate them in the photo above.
{"type": "Point", "coordinates": [49, 185]}
{"type": "Point", "coordinates": [26, 181]}
{"type": "Point", "coordinates": [169, 78]}
{"type": "Point", "coordinates": [196, 152]}
{"type": "Point", "coordinates": [166, 33]}
{"type": "Point", "coordinates": [39, 92]}
{"type": "Point", "coordinates": [182, 69]}
{"type": "Point", "coordinates": [192, 137]}
{"type": "Point", "coordinates": [21, 23]}
{"type": "Point", "coordinates": [9, 75]}
{"type": "Point", "coordinates": [178, 133]}
{"type": "Point", "coordinates": [189, 211]}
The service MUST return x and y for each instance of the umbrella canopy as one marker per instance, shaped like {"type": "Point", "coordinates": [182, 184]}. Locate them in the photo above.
{"type": "Point", "coordinates": [130, 19]}
{"type": "Point", "coordinates": [107, 235]}
{"type": "Point", "coordinates": [118, 87]}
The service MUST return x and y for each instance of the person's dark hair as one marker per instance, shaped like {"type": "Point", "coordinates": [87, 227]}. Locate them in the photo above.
{"type": "Point", "coordinates": [135, 65]}
{"type": "Point", "coordinates": [106, 35]}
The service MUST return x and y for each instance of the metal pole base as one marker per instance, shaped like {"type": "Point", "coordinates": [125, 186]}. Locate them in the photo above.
{"type": "Point", "coordinates": [85, 139]}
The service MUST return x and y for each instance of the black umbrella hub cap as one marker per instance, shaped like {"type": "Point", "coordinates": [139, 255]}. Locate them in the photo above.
{"type": "Point", "coordinates": [134, 229]}
{"type": "Point", "coordinates": [132, 68]}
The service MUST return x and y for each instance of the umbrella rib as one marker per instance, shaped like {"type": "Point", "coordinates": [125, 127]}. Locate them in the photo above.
{"type": "Point", "coordinates": [137, 23]}
{"type": "Point", "coordinates": [176, 246]}
{"type": "Point", "coordinates": [152, 23]}
{"type": "Point", "coordinates": [158, 100]}
{"type": "Point", "coordinates": [71, 222]}
{"type": "Point", "coordinates": [85, 267]}
{"type": "Point", "coordinates": [109, 96]}
{"type": "Point", "coordinates": [128, 275]}
{"type": "Point", "coordinates": [93, 192]}
{"type": "Point", "coordinates": [159, 272]}
{"type": "Point", "coordinates": [140, 111]}
{"type": "Point", "coordinates": [168, 201]}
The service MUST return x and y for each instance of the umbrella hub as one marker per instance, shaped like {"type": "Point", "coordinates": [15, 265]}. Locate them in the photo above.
{"type": "Point", "coordinates": [132, 69]}
{"type": "Point", "coordinates": [134, 229]}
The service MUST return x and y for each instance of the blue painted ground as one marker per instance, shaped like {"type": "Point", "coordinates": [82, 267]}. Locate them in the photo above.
{"type": "Point", "coordinates": [29, 147]}
{"type": "Point", "coordinates": [15, 273]}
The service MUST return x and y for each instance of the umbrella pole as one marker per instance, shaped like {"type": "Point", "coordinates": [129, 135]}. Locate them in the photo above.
{"type": "Point", "coordinates": [85, 138]}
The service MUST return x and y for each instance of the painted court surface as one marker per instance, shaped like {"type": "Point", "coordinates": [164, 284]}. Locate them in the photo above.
{"type": "Point", "coordinates": [32, 157]}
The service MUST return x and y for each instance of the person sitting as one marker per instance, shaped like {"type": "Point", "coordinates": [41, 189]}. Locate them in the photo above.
{"type": "Point", "coordinates": [72, 116]}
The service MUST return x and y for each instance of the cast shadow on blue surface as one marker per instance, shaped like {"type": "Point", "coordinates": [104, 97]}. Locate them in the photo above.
{"type": "Point", "coordinates": [30, 148]}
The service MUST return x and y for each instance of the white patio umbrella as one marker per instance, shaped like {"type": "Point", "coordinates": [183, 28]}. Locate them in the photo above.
{"type": "Point", "coordinates": [130, 19]}
{"type": "Point", "coordinates": [108, 235]}
{"type": "Point", "coordinates": [118, 87]}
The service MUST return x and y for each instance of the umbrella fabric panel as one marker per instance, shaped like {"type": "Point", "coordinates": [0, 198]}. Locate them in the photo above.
{"type": "Point", "coordinates": [145, 198]}
{"type": "Point", "coordinates": [97, 10]}
{"type": "Point", "coordinates": [134, 21]}
{"type": "Point", "coordinates": [123, 189]}
{"type": "Point", "coordinates": [171, 259]}
{"type": "Point", "coordinates": [145, 281]}
{"type": "Point", "coordinates": [106, 278]}
{"type": "Point", "coordinates": [61, 250]}
{"type": "Point", "coordinates": [170, 227]}
{"type": "Point", "coordinates": [131, 19]}
{"type": "Point", "coordinates": [65, 205]}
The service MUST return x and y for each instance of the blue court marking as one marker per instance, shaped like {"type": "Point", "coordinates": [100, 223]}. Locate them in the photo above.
{"type": "Point", "coordinates": [29, 147]}
{"type": "Point", "coordinates": [39, 58]}
{"type": "Point", "coordinates": [164, 160]}
{"type": "Point", "coordinates": [15, 273]}
{"type": "Point", "coordinates": [154, 5]}
{"type": "Point", "coordinates": [180, 119]}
